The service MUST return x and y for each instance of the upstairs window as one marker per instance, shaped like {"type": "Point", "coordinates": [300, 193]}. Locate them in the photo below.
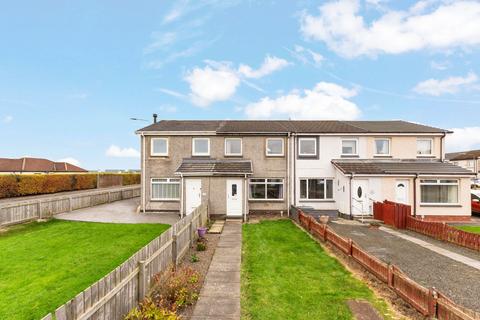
{"type": "Point", "coordinates": [307, 147]}
{"type": "Point", "coordinates": [382, 147]}
{"type": "Point", "coordinates": [274, 147]}
{"type": "Point", "coordinates": [349, 147]}
{"type": "Point", "coordinates": [424, 147]}
{"type": "Point", "coordinates": [233, 147]}
{"type": "Point", "coordinates": [159, 147]}
{"type": "Point", "coordinates": [200, 146]}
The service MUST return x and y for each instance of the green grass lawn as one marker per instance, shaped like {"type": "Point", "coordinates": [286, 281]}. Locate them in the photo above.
{"type": "Point", "coordinates": [472, 229]}
{"type": "Point", "coordinates": [43, 265]}
{"type": "Point", "coordinates": [287, 275]}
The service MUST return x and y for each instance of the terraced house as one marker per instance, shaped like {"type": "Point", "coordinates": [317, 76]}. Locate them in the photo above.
{"type": "Point", "coordinates": [240, 167]}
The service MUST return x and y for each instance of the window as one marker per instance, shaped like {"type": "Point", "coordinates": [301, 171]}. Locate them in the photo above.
{"type": "Point", "coordinates": [274, 147]}
{"type": "Point", "coordinates": [424, 147]}
{"type": "Point", "coordinates": [165, 189]}
{"type": "Point", "coordinates": [266, 189]}
{"type": "Point", "coordinates": [349, 147]}
{"type": "Point", "coordinates": [159, 147]}
{"type": "Point", "coordinates": [382, 147]}
{"type": "Point", "coordinates": [233, 147]}
{"type": "Point", "coordinates": [307, 146]}
{"type": "Point", "coordinates": [200, 146]}
{"type": "Point", "coordinates": [316, 189]}
{"type": "Point", "coordinates": [441, 191]}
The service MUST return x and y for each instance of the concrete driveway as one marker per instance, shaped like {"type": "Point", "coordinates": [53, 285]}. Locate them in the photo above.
{"type": "Point", "coordinates": [123, 211]}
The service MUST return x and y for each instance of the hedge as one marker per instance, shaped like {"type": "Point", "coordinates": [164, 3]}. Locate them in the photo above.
{"type": "Point", "coordinates": [33, 184]}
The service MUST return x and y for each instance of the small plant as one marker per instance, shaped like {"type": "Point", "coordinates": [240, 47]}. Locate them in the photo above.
{"type": "Point", "coordinates": [194, 258]}
{"type": "Point", "coordinates": [148, 310]}
{"type": "Point", "coordinates": [201, 246]}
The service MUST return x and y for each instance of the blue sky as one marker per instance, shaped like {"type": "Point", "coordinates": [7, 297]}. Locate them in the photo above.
{"type": "Point", "coordinates": [72, 74]}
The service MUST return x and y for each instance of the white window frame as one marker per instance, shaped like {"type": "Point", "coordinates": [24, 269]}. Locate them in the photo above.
{"type": "Point", "coordinates": [162, 154]}
{"type": "Point", "coordinates": [168, 181]}
{"type": "Point", "coordinates": [194, 153]}
{"type": "Point", "coordinates": [376, 154]}
{"type": "Point", "coordinates": [438, 183]}
{"type": "Point", "coordinates": [324, 189]}
{"type": "Point", "coordinates": [266, 183]}
{"type": "Point", "coordinates": [274, 154]}
{"type": "Point", "coordinates": [300, 147]}
{"type": "Point", "coordinates": [356, 147]}
{"type": "Point", "coordinates": [431, 147]}
{"type": "Point", "coordinates": [241, 147]}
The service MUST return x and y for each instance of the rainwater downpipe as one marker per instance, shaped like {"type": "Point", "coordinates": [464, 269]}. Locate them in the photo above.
{"type": "Point", "coordinates": [289, 180]}
{"type": "Point", "coordinates": [415, 195]}
{"type": "Point", "coordinates": [441, 146]}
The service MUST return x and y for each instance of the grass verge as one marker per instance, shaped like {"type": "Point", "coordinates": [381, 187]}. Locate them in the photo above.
{"type": "Point", "coordinates": [287, 275]}
{"type": "Point", "coordinates": [43, 265]}
{"type": "Point", "coordinates": [472, 229]}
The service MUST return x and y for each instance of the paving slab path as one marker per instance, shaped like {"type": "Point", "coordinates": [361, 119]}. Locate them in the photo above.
{"type": "Point", "coordinates": [220, 295]}
{"type": "Point", "coordinates": [457, 280]}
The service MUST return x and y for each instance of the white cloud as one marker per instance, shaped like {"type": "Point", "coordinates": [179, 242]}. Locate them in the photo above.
{"type": "Point", "coordinates": [306, 56]}
{"type": "Point", "coordinates": [447, 25]}
{"type": "Point", "coordinates": [219, 80]}
{"type": "Point", "coordinates": [209, 85]}
{"type": "Point", "coordinates": [117, 152]}
{"type": "Point", "coordinates": [326, 101]}
{"type": "Point", "coordinates": [160, 40]}
{"type": "Point", "coordinates": [170, 92]}
{"type": "Point", "coordinates": [269, 65]}
{"type": "Point", "coordinates": [439, 65]}
{"type": "Point", "coordinates": [8, 119]}
{"type": "Point", "coordinates": [463, 139]}
{"type": "Point", "coordinates": [435, 87]}
{"type": "Point", "coordinates": [70, 160]}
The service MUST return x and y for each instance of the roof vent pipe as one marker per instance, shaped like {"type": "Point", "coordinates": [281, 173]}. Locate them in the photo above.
{"type": "Point", "coordinates": [155, 118]}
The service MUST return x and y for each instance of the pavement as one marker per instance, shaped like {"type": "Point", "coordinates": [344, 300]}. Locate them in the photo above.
{"type": "Point", "coordinates": [220, 295]}
{"type": "Point", "coordinates": [123, 211]}
{"type": "Point", "coordinates": [425, 260]}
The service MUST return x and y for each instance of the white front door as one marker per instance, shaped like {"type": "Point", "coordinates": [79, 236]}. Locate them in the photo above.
{"type": "Point", "coordinates": [193, 194]}
{"type": "Point", "coordinates": [234, 197]}
{"type": "Point", "coordinates": [360, 203]}
{"type": "Point", "coordinates": [401, 191]}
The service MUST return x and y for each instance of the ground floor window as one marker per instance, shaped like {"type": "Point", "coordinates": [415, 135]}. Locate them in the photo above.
{"type": "Point", "coordinates": [316, 189]}
{"type": "Point", "coordinates": [265, 189]}
{"type": "Point", "coordinates": [165, 189]}
{"type": "Point", "coordinates": [439, 191]}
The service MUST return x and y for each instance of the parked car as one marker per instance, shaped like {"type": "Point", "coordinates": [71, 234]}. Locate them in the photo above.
{"type": "Point", "coordinates": [475, 201]}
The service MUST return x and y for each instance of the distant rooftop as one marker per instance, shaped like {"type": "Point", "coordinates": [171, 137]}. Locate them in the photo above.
{"type": "Point", "coordinates": [463, 155]}
{"type": "Point", "coordinates": [36, 165]}
{"type": "Point", "coordinates": [285, 126]}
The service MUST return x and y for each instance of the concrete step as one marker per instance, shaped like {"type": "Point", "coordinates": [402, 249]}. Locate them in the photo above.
{"type": "Point", "coordinates": [367, 220]}
{"type": "Point", "coordinates": [217, 227]}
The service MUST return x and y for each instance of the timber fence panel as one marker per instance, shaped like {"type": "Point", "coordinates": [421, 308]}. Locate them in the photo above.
{"type": "Point", "coordinates": [417, 295]}
{"type": "Point", "coordinates": [371, 263]}
{"type": "Point", "coordinates": [48, 206]}
{"type": "Point", "coordinates": [113, 296]}
{"type": "Point", "coordinates": [341, 243]}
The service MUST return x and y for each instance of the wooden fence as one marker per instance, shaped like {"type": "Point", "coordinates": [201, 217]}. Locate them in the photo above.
{"type": "Point", "coordinates": [392, 213]}
{"type": "Point", "coordinates": [47, 206]}
{"type": "Point", "coordinates": [113, 296]}
{"type": "Point", "coordinates": [428, 302]}
{"type": "Point", "coordinates": [443, 231]}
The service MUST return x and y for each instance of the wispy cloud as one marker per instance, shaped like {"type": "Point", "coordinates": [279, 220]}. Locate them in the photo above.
{"type": "Point", "coordinates": [451, 85]}
{"type": "Point", "coordinates": [115, 151]}
{"type": "Point", "coordinates": [170, 92]}
{"type": "Point", "coordinates": [306, 55]}
{"type": "Point", "coordinates": [7, 119]}
{"type": "Point", "coordinates": [439, 65]}
{"type": "Point", "coordinates": [71, 160]}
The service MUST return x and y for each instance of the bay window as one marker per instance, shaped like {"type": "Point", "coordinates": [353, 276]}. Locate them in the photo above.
{"type": "Point", "coordinates": [316, 189]}
{"type": "Point", "coordinates": [265, 189]}
{"type": "Point", "coordinates": [165, 189]}
{"type": "Point", "coordinates": [439, 191]}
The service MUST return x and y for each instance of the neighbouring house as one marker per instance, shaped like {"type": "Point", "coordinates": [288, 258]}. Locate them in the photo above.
{"type": "Point", "coordinates": [469, 160]}
{"type": "Point", "coordinates": [240, 167]}
{"type": "Point", "coordinates": [36, 165]}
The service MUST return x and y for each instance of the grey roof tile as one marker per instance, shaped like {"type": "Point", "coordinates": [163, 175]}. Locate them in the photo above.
{"type": "Point", "coordinates": [213, 166]}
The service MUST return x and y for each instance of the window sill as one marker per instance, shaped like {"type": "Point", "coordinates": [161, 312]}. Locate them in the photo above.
{"type": "Point", "coordinates": [426, 156]}
{"type": "Point", "coordinates": [233, 155]}
{"type": "Point", "coordinates": [307, 156]}
{"type": "Point", "coordinates": [165, 200]}
{"type": "Point", "coordinates": [350, 156]}
{"type": "Point", "coordinates": [275, 155]}
{"type": "Point", "coordinates": [382, 156]}
{"type": "Point", "coordinates": [441, 205]}
{"type": "Point", "coordinates": [317, 200]}
{"type": "Point", "coordinates": [266, 200]}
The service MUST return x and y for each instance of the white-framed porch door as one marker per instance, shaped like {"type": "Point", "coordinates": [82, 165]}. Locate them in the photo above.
{"type": "Point", "coordinates": [360, 202]}
{"type": "Point", "coordinates": [401, 191]}
{"type": "Point", "coordinates": [234, 197]}
{"type": "Point", "coordinates": [193, 194]}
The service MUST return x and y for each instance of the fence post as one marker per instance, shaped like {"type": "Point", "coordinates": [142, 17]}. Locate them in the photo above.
{"type": "Point", "coordinates": [325, 230]}
{"type": "Point", "coordinates": [39, 208]}
{"type": "Point", "coordinates": [141, 281]}
{"type": "Point", "coordinates": [350, 246]}
{"type": "Point", "coordinates": [390, 276]}
{"type": "Point", "coordinates": [190, 232]}
{"type": "Point", "coordinates": [69, 204]}
{"type": "Point", "coordinates": [174, 247]}
{"type": "Point", "coordinates": [432, 302]}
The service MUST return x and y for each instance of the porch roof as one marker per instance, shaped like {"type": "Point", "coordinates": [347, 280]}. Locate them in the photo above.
{"type": "Point", "coordinates": [392, 167]}
{"type": "Point", "coordinates": [215, 167]}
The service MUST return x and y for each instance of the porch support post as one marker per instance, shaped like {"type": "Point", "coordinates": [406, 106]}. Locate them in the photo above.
{"type": "Point", "coordinates": [182, 186]}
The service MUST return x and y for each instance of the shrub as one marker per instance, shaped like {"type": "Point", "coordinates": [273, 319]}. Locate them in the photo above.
{"type": "Point", "coordinates": [194, 258]}
{"type": "Point", "coordinates": [131, 178]}
{"type": "Point", "coordinates": [56, 183]}
{"type": "Point", "coordinates": [174, 290]}
{"type": "Point", "coordinates": [8, 186]}
{"type": "Point", "coordinates": [84, 181]}
{"type": "Point", "coordinates": [30, 184]}
{"type": "Point", "coordinates": [201, 245]}
{"type": "Point", "coordinates": [148, 310]}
